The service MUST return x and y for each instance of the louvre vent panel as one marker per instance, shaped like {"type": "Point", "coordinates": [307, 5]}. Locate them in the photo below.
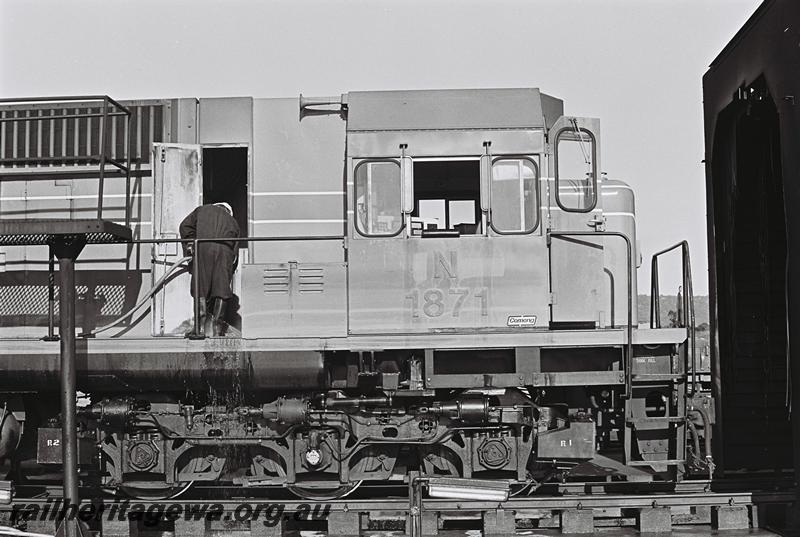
{"type": "Point", "coordinates": [311, 279]}
{"type": "Point", "coordinates": [277, 281]}
{"type": "Point", "coordinates": [294, 279]}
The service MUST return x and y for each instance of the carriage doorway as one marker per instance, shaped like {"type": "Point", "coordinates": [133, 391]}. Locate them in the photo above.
{"type": "Point", "coordinates": [225, 180]}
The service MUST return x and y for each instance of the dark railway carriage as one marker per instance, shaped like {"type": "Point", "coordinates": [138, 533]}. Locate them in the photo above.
{"type": "Point", "coordinates": [752, 123]}
{"type": "Point", "coordinates": [438, 282]}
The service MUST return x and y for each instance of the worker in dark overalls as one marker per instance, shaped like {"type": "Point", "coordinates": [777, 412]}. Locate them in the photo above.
{"type": "Point", "coordinates": [214, 262]}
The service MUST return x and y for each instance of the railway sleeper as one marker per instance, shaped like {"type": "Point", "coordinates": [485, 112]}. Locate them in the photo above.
{"type": "Point", "coordinates": [340, 520]}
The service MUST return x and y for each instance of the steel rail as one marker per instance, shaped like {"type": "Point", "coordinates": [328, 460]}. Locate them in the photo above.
{"type": "Point", "coordinates": [723, 486]}
{"type": "Point", "coordinates": [436, 504]}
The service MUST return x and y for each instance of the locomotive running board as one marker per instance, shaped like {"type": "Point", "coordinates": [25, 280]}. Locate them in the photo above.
{"type": "Point", "coordinates": [601, 337]}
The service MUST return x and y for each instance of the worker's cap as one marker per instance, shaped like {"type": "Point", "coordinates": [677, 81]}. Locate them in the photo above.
{"type": "Point", "coordinates": [225, 206]}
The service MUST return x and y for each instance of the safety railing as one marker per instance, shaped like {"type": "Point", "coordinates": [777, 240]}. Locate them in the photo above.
{"type": "Point", "coordinates": [627, 365]}
{"type": "Point", "coordinates": [687, 300]}
{"type": "Point", "coordinates": [196, 333]}
{"type": "Point", "coordinates": [553, 234]}
{"type": "Point", "coordinates": [83, 106]}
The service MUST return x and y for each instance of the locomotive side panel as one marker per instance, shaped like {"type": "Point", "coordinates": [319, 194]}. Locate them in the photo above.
{"type": "Point", "coordinates": [225, 120]}
{"type": "Point", "coordinates": [619, 214]}
{"type": "Point", "coordinates": [424, 285]}
{"type": "Point", "coordinates": [579, 288]}
{"type": "Point", "coordinates": [295, 299]}
{"type": "Point", "coordinates": [298, 177]}
{"type": "Point", "coordinates": [296, 288]}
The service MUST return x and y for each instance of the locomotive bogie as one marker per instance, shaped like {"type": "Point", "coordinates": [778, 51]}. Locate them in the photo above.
{"type": "Point", "coordinates": [380, 414]}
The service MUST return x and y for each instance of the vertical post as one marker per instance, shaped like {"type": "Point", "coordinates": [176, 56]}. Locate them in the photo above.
{"type": "Point", "coordinates": [414, 518]}
{"type": "Point", "coordinates": [196, 287]}
{"type": "Point", "coordinates": [688, 293]}
{"type": "Point", "coordinates": [128, 151]}
{"type": "Point", "coordinates": [102, 142]}
{"type": "Point", "coordinates": [655, 303]}
{"type": "Point", "coordinates": [67, 250]}
{"type": "Point", "coordinates": [684, 318]}
{"type": "Point", "coordinates": [66, 301]}
{"type": "Point", "coordinates": [685, 289]}
{"type": "Point", "coordinates": [51, 299]}
{"type": "Point", "coordinates": [196, 333]}
{"type": "Point", "coordinates": [629, 328]}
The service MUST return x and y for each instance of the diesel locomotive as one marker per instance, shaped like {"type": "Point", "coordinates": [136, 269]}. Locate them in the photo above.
{"type": "Point", "coordinates": [436, 284]}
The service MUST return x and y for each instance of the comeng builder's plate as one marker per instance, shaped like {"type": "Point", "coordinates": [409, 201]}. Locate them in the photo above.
{"type": "Point", "coordinates": [521, 320]}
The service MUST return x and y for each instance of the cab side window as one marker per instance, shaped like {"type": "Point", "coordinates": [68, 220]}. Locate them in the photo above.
{"type": "Point", "coordinates": [378, 198]}
{"type": "Point", "coordinates": [446, 196]}
{"type": "Point", "coordinates": [515, 195]}
{"type": "Point", "coordinates": [576, 176]}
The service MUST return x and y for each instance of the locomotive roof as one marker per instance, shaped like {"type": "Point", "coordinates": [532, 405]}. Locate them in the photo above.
{"type": "Point", "coordinates": [524, 108]}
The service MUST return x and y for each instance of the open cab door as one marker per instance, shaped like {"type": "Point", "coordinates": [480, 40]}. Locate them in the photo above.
{"type": "Point", "coordinates": [575, 205]}
{"type": "Point", "coordinates": [177, 191]}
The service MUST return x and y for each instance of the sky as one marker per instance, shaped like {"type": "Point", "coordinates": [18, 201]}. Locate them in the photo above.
{"type": "Point", "coordinates": [635, 64]}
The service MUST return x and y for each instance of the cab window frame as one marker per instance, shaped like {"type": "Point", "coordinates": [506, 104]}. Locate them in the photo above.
{"type": "Point", "coordinates": [356, 219]}
{"type": "Point", "coordinates": [593, 140]}
{"type": "Point", "coordinates": [449, 197]}
{"type": "Point", "coordinates": [536, 190]}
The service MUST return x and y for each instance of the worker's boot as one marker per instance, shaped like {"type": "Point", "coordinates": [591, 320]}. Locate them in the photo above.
{"type": "Point", "coordinates": [200, 321]}
{"type": "Point", "coordinates": [208, 317]}
{"type": "Point", "coordinates": [217, 316]}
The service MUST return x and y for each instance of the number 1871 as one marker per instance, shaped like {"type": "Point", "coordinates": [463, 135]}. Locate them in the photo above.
{"type": "Point", "coordinates": [438, 302]}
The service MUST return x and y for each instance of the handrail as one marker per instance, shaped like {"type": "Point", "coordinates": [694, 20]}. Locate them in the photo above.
{"type": "Point", "coordinates": [628, 358]}
{"type": "Point", "coordinates": [628, 355]}
{"type": "Point", "coordinates": [88, 102]}
{"type": "Point", "coordinates": [70, 98]}
{"type": "Point", "coordinates": [196, 300]}
{"type": "Point", "coordinates": [687, 299]}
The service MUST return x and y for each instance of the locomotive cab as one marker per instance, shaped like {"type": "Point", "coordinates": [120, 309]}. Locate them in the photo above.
{"type": "Point", "coordinates": [451, 231]}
